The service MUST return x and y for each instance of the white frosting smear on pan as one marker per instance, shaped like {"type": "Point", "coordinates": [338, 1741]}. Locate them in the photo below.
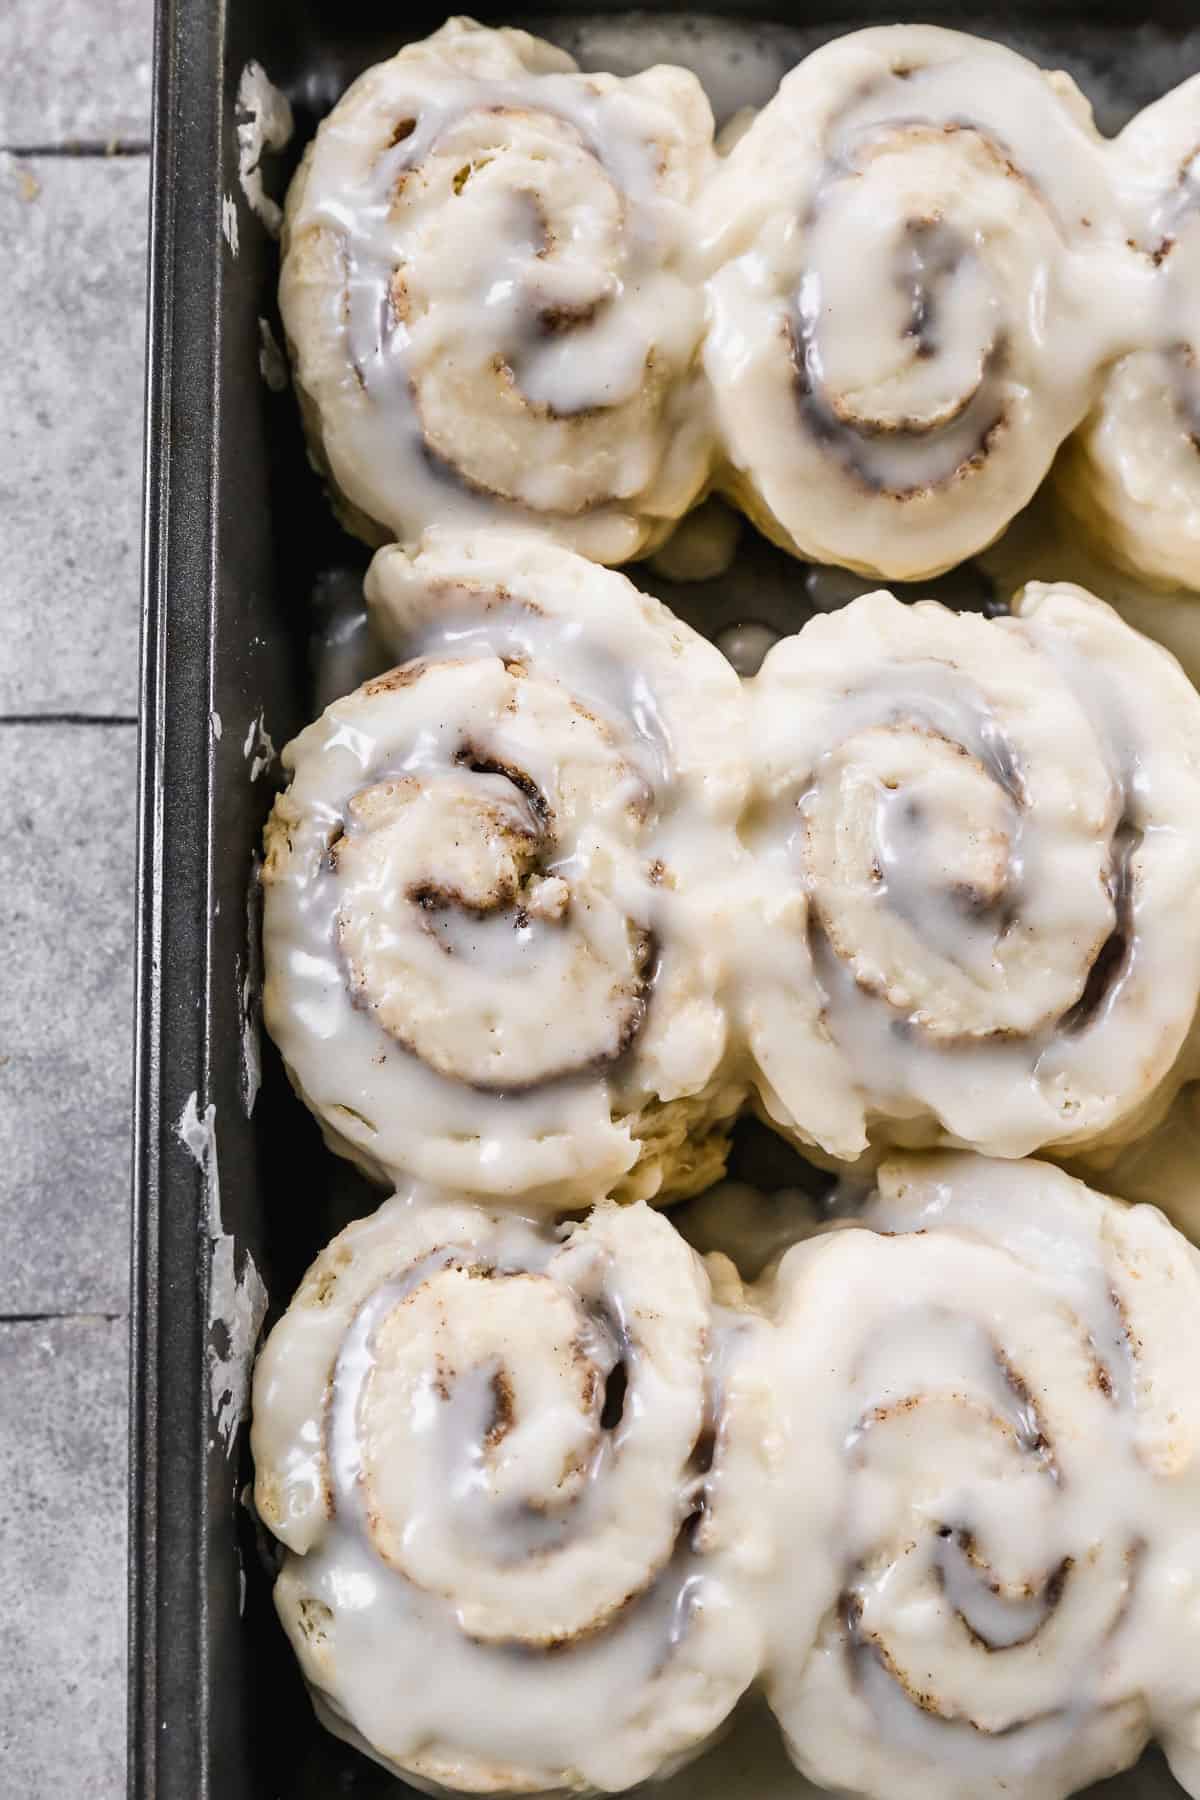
{"type": "Point", "coordinates": [237, 1303]}
{"type": "Point", "coordinates": [264, 123]}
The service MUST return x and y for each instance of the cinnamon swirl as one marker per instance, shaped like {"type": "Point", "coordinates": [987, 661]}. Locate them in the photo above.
{"type": "Point", "coordinates": [484, 294]}
{"type": "Point", "coordinates": [977, 840]}
{"type": "Point", "coordinates": [487, 944]}
{"type": "Point", "coordinates": [989, 1487]}
{"type": "Point", "coordinates": [515, 1471]}
{"type": "Point", "coordinates": [906, 245]}
{"type": "Point", "coordinates": [1131, 476]}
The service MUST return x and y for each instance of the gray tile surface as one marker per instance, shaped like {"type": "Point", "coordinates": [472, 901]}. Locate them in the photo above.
{"type": "Point", "coordinates": [62, 1523]}
{"type": "Point", "coordinates": [71, 327]}
{"type": "Point", "coordinates": [74, 70]}
{"type": "Point", "coordinates": [66, 941]}
{"type": "Point", "coordinates": [73, 75]}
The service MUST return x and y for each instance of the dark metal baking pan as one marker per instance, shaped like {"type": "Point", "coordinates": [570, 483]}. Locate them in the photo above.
{"type": "Point", "coordinates": [238, 545]}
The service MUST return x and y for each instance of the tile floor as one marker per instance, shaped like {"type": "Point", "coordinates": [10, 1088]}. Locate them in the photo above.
{"type": "Point", "coordinates": [74, 124]}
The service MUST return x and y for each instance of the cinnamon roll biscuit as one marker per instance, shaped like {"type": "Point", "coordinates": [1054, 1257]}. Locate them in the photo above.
{"type": "Point", "coordinates": [988, 1485]}
{"type": "Point", "coordinates": [487, 945]}
{"type": "Point", "coordinates": [975, 855]}
{"type": "Point", "coordinates": [1131, 476]}
{"type": "Point", "coordinates": [484, 292]}
{"type": "Point", "coordinates": [515, 1469]}
{"type": "Point", "coordinates": [903, 323]}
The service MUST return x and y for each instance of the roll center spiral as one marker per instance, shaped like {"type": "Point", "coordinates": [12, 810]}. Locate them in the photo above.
{"type": "Point", "coordinates": [456, 875]}
{"type": "Point", "coordinates": [468, 1436]}
{"type": "Point", "coordinates": [899, 348]}
{"type": "Point", "coordinates": [917, 853]}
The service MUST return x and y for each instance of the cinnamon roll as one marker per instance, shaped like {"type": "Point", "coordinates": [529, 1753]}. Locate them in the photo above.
{"type": "Point", "coordinates": [486, 932]}
{"type": "Point", "coordinates": [484, 291]}
{"type": "Point", "coordinates": [989, 1487]}
{"type": "Point", "coordinates": [975, 856]}
{"type": "Point", "coordinates": [903, 311]}
{"type": "Point", "coordinates": [515, 1470]}
{"type": "Point", "coordinates": [1131, 476]}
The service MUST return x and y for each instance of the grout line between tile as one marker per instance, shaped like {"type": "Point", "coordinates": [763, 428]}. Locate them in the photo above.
{"type": "Point", "coordinates": [48, 1318]}
{"type": "Point", "coordinates": [67, 718]}
{"type": "Point", "coordinates": [82, 147]}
